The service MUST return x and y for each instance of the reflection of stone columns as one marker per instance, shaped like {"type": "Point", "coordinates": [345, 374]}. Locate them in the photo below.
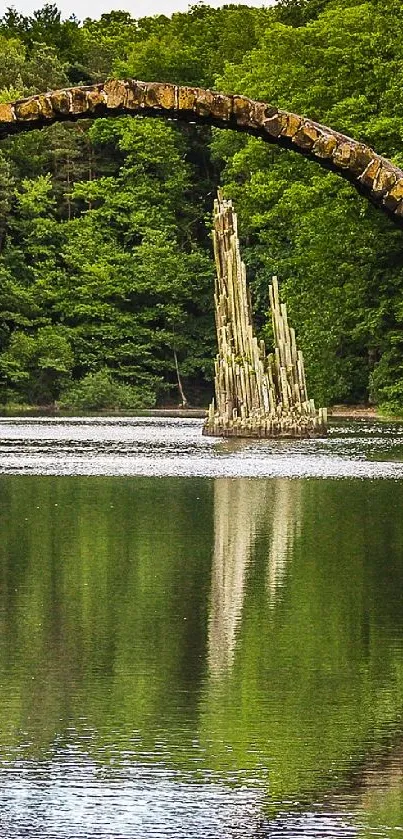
{"type": "Point", "coordinates": [237, 508]}
{"type": "Point", "coordinates": [242, 508]}
{"type": "Point", "coordinates": [285, 522]}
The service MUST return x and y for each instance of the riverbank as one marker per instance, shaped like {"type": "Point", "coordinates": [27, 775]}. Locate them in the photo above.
{"type": "Point", "coordinates": [360, 412]}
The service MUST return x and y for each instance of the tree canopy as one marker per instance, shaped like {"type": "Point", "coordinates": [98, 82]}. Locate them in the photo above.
{"type": "Point", "coordinates": [105, 256]}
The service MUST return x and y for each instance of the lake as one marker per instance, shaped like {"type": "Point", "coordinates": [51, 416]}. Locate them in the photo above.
{"type": "Point", "coordinates": [200, 638]}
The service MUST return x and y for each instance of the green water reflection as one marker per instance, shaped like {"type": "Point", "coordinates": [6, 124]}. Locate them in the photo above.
{"type": "Point", "coordinates": [251, 629]}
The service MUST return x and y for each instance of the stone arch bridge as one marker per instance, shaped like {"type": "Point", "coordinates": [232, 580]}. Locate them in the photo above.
{"type": "Point", "coordinates": [375, 177]}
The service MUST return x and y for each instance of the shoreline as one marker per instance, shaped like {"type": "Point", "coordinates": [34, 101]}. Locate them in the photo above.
{"type": "Point", "coordinates": [342, 412]}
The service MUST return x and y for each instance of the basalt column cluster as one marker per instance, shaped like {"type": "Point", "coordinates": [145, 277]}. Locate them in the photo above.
{"type": "Point", "coordinates": [256, 395]}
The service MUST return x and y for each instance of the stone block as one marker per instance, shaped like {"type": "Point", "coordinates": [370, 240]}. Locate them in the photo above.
{"type": "Point", "coordinates": [394, 196]}
{"type": "Point", "coordinates": [45, 106]}
{"type": "Point", "coordinates": [115, 92]}
{"type": "Point", "coordinates": [361, 156]}
{"type": "Point", "coordinates": [6, 113]}
{"type": "Point", "coordinates": [385, 179]}
{"type": "Point", "coordinates": [342, 154]}
{"type": "Point", "coordinates": [61, 102]}
{"type": "Point", "coordinates": [260, 112]}
{"type": "Point", "coordinates": [325, 146]}
{"type": "Point", "coordinates": [27, 110]}
{"type": "Point", "coordinates": [96, 99]}
{"type": "Point", "coordinates": [274, 125]}
{"type": "Point", "coordinates": [136, 95]}
{"type": "Point", "coordinates": [221, 107]}
{"type": "Point", "coordinates": [293, 124]}
{"type": "Point", "coordinates": [79, 103]}
{"type": "Point", "coordinates": [369, 174]}
{"type": "Point", "coordinates": [213, 104]}
{"type": "Point", "coordinates": [242, 110]}
{"type": "Point", "coordinates": [187, 97]}
{"type": "Point", "coordinates": [160, 96]}
{"type": "Point", "coordinates": [306, 136]}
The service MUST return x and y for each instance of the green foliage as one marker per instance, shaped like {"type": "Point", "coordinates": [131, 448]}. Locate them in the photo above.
{"type": "Point", "coordinates": [339, 261]}
{"type": "Point", "coordinates": [104, 227]}
{"type": "Point", "coordinates": [192, 48]}
{"type": "Point", "coordinates": [98, 391]}
{"type": "Point", "coordinates": [35, 367]}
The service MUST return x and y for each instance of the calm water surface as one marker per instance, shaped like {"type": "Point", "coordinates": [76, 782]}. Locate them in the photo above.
{"type": "Point", "coordinates": [200, 638]}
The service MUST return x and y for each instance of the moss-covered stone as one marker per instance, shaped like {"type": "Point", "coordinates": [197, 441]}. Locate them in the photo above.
{"type": "Point", "coordinates": [242, 109]}
{"type": "Point", "coordinates": [375, 176]}
{"type": "Point", "coordinates": [136, 95]}
{"type": "Point", "coordinates": [213, 104]}
{"type": "Point", "coordinates": [293, 125]}
{"type": "Point", "coordinates": [361, 156]}
{"type": "Point", "coordinates": [96, 99]}
{"type": "Point", "coordinates": [45, 106]}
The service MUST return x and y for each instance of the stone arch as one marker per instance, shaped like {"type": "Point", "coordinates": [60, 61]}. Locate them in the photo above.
{"type": "Point", "coordinates": [375, 177]}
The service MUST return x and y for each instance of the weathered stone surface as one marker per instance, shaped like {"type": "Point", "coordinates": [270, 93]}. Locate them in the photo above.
{"type": "Point", "coordinates": [208, 103]}
{"type": "Point", "coordinates": [395, 196]}
{"type": "Point", "coordinates": [385, 179]}
{"type": "Point", "coordinates": [342, 154]}
{"type": "Point", "coordinates": [79, 104]}
{"type": "Point", "coordinates": [45, 106]}
{"type": "Point", "coordinates": [221, 107]}
{"type": "Point", "coordinates": [116, 92]}
{"type": "Point", "coordinates": [247, 112]}
{"type": "Point", "coordinates": [160, 96]}
{"type": "Point", "coordinates": [28, 109]}
{"type": "Point", "coordinates": [276, 124]}
{"type": "Point", "coordinates": [204, 102]}
{"type": "Point", "coordinates": [369, 174]}
{"type": "Point", "coordinates": [187, 97]}
{"type": "Point", "coordinates": [325, 146]}
{"type": "Point", "coordinates": [96, 99]}
{"type": "Point", "coordinates": [7, 113]}
{"type": "Point", "coordinates": [260, 112]}
{"type": "Point", "coordinates": [61, 102]}
{"type": "Point", "coordinates": [361, 156]}
{"type": "Point", "coordinates": [136, 95]}
{"type": "Point", "coordinates": [242, 110]}
{"type": "Point", "coordinates": [306, 136]}
{"type": "Point", "coordinates": [293, 124]}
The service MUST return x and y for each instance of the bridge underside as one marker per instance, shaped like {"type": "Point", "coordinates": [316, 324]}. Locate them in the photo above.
{"type": "Point", "coordinates": [375, 177]}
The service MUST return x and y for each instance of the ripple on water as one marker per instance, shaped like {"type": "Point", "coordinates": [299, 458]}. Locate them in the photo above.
{"type": "Point", "coordinates": [75, 798]}
{"type": "Point", "coordinates": [158, 446]}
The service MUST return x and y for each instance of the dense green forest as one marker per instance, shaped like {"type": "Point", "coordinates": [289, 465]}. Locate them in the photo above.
{"type": "Point", "coordinates": [106, 269]}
